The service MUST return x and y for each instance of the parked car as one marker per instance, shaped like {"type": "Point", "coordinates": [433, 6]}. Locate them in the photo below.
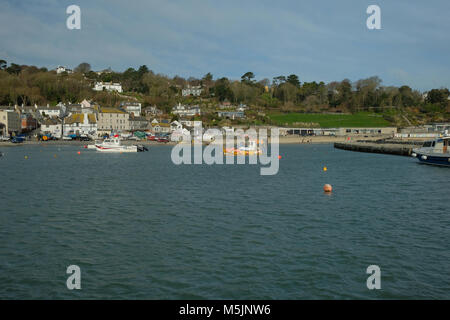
{"type": "Point", "coordinates": [134, 138]}
{"type": "Point", "coordinates": [17, 139]}
{"type": "Point", "coordinates": [151, 138]}
{"type": "Point", "coordinates": [2, 138]}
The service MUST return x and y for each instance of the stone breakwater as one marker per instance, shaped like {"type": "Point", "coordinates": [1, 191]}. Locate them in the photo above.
{"type": "Point", "coordinates": [400, 148]}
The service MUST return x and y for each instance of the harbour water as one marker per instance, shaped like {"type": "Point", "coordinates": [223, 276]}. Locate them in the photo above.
{"type": "Point", "coordinates": [140, 227]}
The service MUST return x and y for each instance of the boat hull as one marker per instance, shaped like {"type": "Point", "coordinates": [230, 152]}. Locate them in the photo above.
{"type": "Point", "coordinates": [237, 152]}
{"type": "Point", "coordinates": [123, 149]}
{"type": "Point", "coordinates": [433, 159]}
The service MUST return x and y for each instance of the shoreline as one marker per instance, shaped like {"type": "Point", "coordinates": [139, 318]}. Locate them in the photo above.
{"type": "Point", "coordinates": [282, 140]}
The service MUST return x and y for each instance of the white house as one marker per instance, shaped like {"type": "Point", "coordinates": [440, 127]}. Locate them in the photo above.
{"type": "Point", "coordinates": [179, 134]}
{"type": "Point", "coordinates": [108, 86]}
{"type": "Point", "coordinates": [186, 111]}
{"type": "Point", "coordinates": [50, 111]}
{"type": "Point", "coordinates": [132, 107]}
{"type": "Point", "coordinates": [81, 124]}
{"type": "Point", "coordinates": [51, 126]}
{"type": "Point", "coordinates": [192, 91]}
{"type": "Point", "coordinates": [191, 123]}
{"type": "Point", "coordinates": [160, 127]}
{"type": "Point", "coordinates": [175, 125]}
{"type": "Point", "coordinates": [152, 111]}
{"type": "Point", "coordinates": [61, 69]}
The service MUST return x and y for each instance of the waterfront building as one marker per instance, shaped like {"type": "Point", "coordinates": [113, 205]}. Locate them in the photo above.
{"type": "Point", "coordinates": [175, 125]}
{"type": "Point", "coordinates": [80, 124]}
{"type": "Point", "coordinates": [52, 126]}
{"type": "Point", "coordinates": [10, 122]}
{"type": "Point", "coordinates": [138, 123]}
{"type": "Point", "coordinates": [389, 131]}
{"type": "Point", "coordinates": [180, 134]}
{"type": "Point", "coordinates": [112, 120]}
{"type": "Point", "coordinates": [28, 122]}
{"type": "Point", "coordinates": [160, 127]}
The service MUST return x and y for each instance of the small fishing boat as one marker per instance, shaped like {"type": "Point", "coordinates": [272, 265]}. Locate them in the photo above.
{"type": "Point", "coordinates": [114, 145]}
{"type": "Point", "coordinates": [248, 149]}
{"type": "Point", "coordinates": [93, 146]}
{"type": "Point", "coordinates": [435, 152]}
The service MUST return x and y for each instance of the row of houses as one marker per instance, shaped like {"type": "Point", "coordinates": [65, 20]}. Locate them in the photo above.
{"type": "Point", "coordinates": [191, 111]}
{"type": "Point", "coordinates": [87, 118]}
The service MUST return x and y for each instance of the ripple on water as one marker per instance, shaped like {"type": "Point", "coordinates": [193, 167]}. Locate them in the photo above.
{"type": "Point", "coordinates": [142, 228]}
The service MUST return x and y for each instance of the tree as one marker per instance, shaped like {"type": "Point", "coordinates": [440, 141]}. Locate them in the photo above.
{"type": "Point", "coordinates": [293, 79]}
{"type": "Point", "coordinates": [142, 70]}
{"type": "Point", "coordinates": [248, 77]}
{"type": "Point", "coordinates": [207, 77]}
{"type": "Point", "coordinates": [83, 67]}
{"type": "Point", "coordinates": [278, 80]}
{"type": "Point", "coordinates": [222, 90]}
{"type": "Point", "coordinates": [207, 82]}
{"type": "Point", "coordinates": [438, 96]}
{"type": "Point", "coordinates": [14, 69]}
{"type": "Point", "coordinates": [344, 95]}
{"type": "Point", "coordinates": [3, 64]}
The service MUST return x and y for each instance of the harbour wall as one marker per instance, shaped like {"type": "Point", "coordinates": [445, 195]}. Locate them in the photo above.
{"type": "Point", "coordinates": [401, 149]}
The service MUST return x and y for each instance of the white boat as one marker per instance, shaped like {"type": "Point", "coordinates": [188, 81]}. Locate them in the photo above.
{"type": "Point", "coordinates": [435, 152]}
{"type": "Point", "coordinates": [93, 146]}
{"type": "Point", "coordinates": [114, 145]}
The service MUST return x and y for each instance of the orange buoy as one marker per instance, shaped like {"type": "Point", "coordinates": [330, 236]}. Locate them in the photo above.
{"type": "Point", "coordinates": [325, 169]}
{"type": "Point", "coordinates": [327, 188]}
{"type": "Point", "coordinates": [79, 152]}
{"type": "Point", "coordinates": [279, 157]}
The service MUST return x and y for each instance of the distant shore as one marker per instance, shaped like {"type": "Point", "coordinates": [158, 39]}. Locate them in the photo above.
{"type": "Point", "coordinates": [282, 140]}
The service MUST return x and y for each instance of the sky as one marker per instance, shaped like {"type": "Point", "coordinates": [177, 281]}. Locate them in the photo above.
{"type": "Point", "coordinates": [316, 39]}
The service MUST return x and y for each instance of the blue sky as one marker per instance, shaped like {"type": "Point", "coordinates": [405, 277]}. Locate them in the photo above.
{"type": "Point", "coordinates": [316, 39]}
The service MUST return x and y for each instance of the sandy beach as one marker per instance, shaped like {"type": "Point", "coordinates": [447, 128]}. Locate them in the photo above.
{"type": "Point", "coordinates": [282, 140]}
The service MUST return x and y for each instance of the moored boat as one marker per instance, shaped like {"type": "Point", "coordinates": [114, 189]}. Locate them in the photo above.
{"type": "Point", "coordinates": [114, 145]}
{"type": "Point", "coordinates": [93, 146]}
{"type": "Point", "coordinates": [248, 149]}
{"type": "Point", "coordinates": [435, 152]}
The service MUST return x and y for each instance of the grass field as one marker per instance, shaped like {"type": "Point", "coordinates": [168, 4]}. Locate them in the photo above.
{"type": "Point", "coordinates": [362, 119]}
